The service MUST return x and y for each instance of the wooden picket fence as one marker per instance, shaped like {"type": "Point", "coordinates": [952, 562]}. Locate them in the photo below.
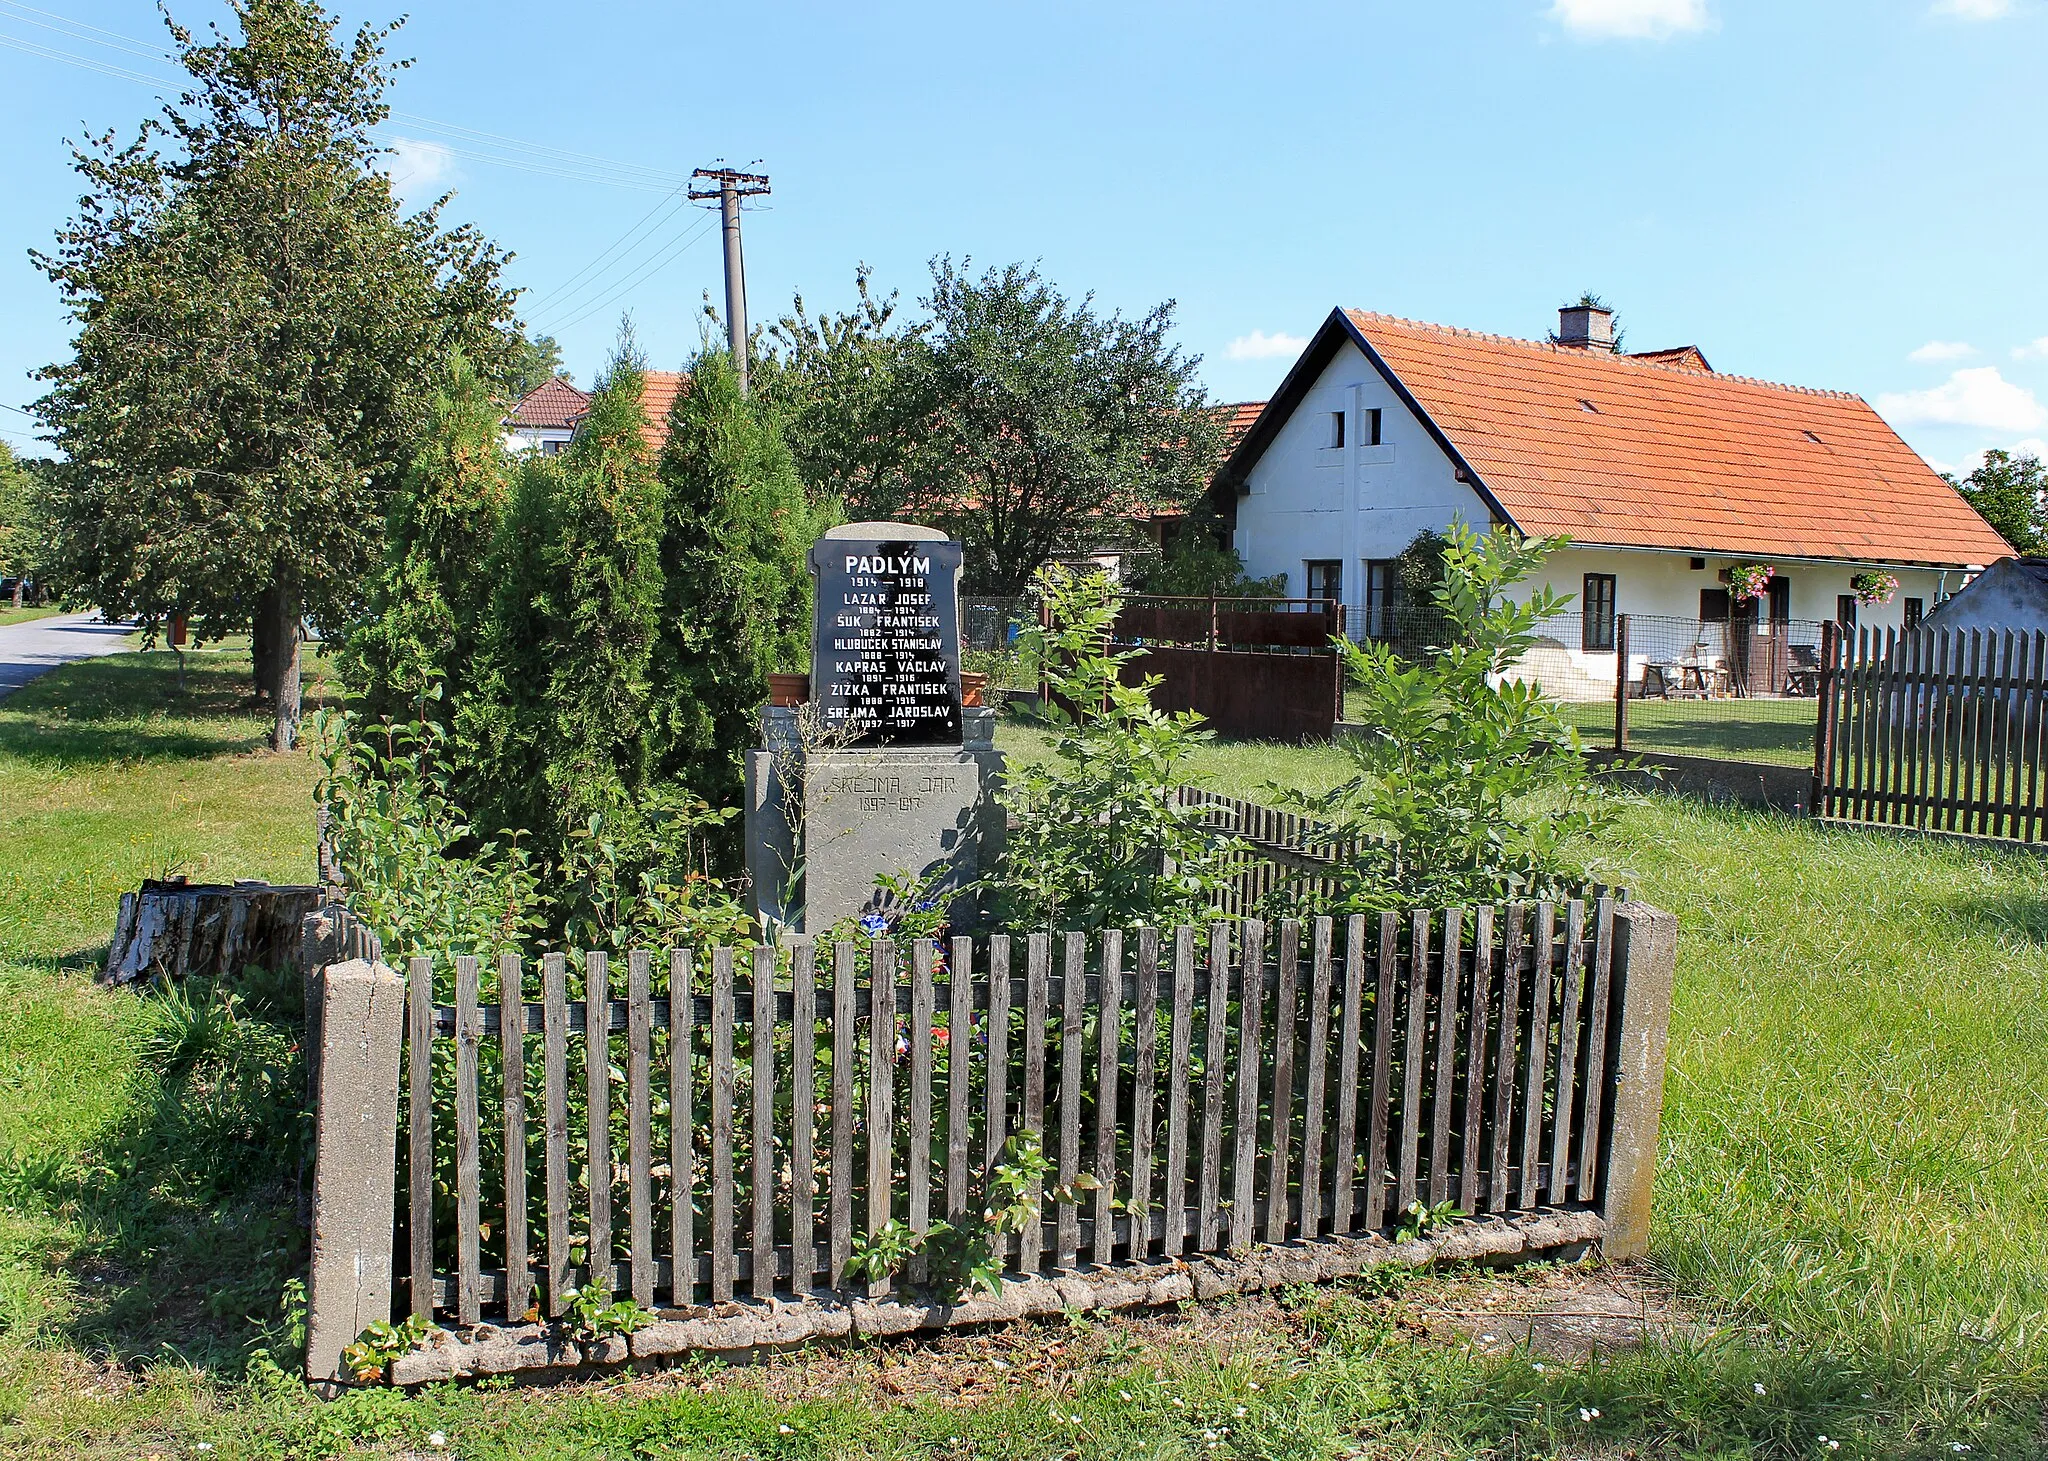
{"type": "Point", "coordinates": [746, 1115]}
{"type": "Point", "coordinates": [1934, 729]}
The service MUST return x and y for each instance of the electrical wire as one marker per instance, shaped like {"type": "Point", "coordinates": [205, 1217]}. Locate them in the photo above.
{"type": "Point", "coordinates": [560, 299]}
{"type": "Point", "coordinates": [541, 159]}
{"type": "Point", "coordinates": [681, 247]}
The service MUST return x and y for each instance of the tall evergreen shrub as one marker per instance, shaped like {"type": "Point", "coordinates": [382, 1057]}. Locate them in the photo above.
{"type": "Point", "coordinates": [429, 597]}
{"type": "Point", "coordinates": [737, 590]}
{"type": "Point", "coordinates": [557, 729]}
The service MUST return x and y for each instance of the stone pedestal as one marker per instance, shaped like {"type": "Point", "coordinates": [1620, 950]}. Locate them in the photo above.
{"type": "Point", "coordinates": [863, 813]}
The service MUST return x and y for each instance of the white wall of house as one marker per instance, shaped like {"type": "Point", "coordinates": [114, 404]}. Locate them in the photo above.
{"type": "Point", "coordinates": [549, 439]}
{"type": "Point", "coordinates": [1310, 501]}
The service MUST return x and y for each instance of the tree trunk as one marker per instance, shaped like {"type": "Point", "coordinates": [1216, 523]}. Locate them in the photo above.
{"type": "Point", "coordinates": [262, 641]}
{"type": "Point", "coordinates": [281, 614]}
{"type": "Point", "coordinates": [19, 585]}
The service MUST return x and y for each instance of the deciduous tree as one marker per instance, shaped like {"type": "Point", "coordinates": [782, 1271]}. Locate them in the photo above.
{"type": "Point", "coordinates": [2011, 493]}
{"type": "Point", "coordinates": [258, 330]}
{"type": "Point", "coordinates": [1045, 423]}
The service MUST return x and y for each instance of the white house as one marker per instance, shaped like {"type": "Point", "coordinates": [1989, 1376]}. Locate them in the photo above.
{"type": "Point", "coordinates": [1668, 477]}
{"type": "Point", "coordinates": [545, 419]}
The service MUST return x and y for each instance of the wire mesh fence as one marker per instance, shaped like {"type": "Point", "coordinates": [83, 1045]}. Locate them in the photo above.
{"type": "Point", "coordinates": [991, 643]}
{"type": "Point", "coordinates": [1743, 689]}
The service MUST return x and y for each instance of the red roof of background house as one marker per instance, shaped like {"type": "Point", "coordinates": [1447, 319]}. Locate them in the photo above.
{"type": "Point", "coordinates": [658, 393]}
{"type": "Point", "coordinates": [552, 405]}
{"type": "Point", "coordinates": [1237, 420]}
{"type": "Point", "coordinates": [1615, 451]}
{"type": "Point", "coordinates": [1682, 357]}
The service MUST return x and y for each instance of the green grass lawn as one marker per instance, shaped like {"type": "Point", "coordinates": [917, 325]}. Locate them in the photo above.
{"type": "Point", "coordinates": [1849, 1201]}
{"type": "Point", "coordinates": [24, 615]}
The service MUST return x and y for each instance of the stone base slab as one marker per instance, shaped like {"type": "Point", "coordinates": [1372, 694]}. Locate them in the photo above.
{"type": "Point", "coordinates": [742, 1329]}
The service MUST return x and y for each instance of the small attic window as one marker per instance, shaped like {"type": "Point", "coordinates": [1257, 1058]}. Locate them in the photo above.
{"type": "Point", "coordinates": [1336, 428]}
{"type": "Point", "coordinates": [1811, 437]}
{"type": "Point", "coordinates": [1585, 405]}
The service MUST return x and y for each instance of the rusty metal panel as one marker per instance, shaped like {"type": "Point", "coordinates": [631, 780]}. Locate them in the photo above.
{"type": "Point", "coordinates": [1250, 696]}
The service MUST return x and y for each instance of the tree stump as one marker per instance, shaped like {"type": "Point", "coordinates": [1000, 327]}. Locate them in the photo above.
{"type": "Point", "coordinates": [178, 928]}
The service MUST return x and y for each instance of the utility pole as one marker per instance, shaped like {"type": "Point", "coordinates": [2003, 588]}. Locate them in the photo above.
{"type": "Point", "coordinates": [732, 186]}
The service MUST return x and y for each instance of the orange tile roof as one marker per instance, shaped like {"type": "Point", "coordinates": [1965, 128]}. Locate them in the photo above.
{"type": "Point", "coordinates": [1680, 357]}
{"type": "Point", "coordinates": [1237, 420]}
{"type": "Point", "coordinates": [658, 393]}
{"type": "Point", "coordinates": [552, 404]}
{"type": "Point", "coordinates": [1613, 451]}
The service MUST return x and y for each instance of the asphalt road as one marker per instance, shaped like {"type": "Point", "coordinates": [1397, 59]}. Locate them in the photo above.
{"type": "Point", "coordinates": [26, 650]}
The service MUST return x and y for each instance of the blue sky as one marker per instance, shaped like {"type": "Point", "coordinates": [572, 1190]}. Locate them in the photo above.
{"type": "Point", "coordinates": [1840, 193]}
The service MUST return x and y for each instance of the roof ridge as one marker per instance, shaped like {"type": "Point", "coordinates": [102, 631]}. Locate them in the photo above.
{"type": "Point", "coordinates": [1546, 347]}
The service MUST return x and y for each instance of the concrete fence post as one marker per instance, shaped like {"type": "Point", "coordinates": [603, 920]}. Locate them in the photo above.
{"type": "Point", "coordinates": [355, 1157]}
{"type": "Point", "coordinates": [1645, 959]}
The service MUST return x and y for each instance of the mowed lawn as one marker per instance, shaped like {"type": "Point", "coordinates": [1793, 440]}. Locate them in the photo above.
{"type": "Point", "coordinates": [1850, 1202]}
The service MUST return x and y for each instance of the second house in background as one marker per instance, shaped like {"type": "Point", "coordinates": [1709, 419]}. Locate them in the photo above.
{"type": "Point", "coordinates": [1678, 487]}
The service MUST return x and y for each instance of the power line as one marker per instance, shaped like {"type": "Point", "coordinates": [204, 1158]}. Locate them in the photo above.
{"type": "Point", "coordinates": [562, 300]}
{"type": "Point", "coordinates": [542, 158]}
{"type": "Point", "coordinates": [681, 247]}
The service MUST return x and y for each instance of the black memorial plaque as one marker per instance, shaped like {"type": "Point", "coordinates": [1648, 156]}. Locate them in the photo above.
{"type": "Point", "coordinates": [885, 648]}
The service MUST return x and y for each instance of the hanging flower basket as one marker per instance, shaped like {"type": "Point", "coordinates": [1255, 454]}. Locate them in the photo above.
{"type": "Point", "coordinates": [1874, 587]}
{"type": "Point", "coordinates": [1748, 582]}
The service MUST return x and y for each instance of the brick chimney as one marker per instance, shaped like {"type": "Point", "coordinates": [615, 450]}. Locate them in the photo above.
{"type": "Point", "coordinates": [1586, 327]}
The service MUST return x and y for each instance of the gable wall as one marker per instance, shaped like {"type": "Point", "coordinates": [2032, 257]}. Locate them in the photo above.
{"type": "Point", "coordinates": [1310, 501]}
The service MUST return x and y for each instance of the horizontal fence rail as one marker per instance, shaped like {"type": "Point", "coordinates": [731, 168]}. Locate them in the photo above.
{"type": "Point", "coordinates": [690, 1127]}
{"type": "Point", "coordinates": [1291, 862]}
{"type": "Point", "coordinates": [1935, 729]}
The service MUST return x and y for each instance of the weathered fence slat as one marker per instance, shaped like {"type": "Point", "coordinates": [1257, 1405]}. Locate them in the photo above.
{"type": "Point", "coordinates": [1179, 1056]}
{"type": "Point", "coordinates": [1414, 1058]}
{"type": "Point", "coordinates": [419, 1168]}
{"type": "Point", "coordinates": [803, 1110]}
{"type": "Point", "coordinates": [640, 1125]}
{"type": "Point", "coordinates": [555, 1118]}
{"type": "Point", "coordinates": [1508, 1052]}
{"type": "Point", "coordinates": [1037, 958]}
{"type": "Point", "coordinates": [1469, 1151]}
{"type": "Point", "coordinates": [840, 1241]}
{"type": "Point", "coordinates": [923, 1010]}
{"type": "Point", "coordinates": [1347, 1074]}
{"type": "Point", "coordinates": [1538, 1059]}
{"type": "Point", "coordinates": [1144, 1077]}
{"type": "Point", "coordinates": [1380, 1097]}
{"type": "Point", "coordinates": [1216, 1023]}
{"type": "Point", "coordinates": [682, 1250]}
{"type": "Point", "coordinates": [1109, 1034]}
{"type": "Point", "coordinates": [1244, 1157]}
{"type": "Point", "coordinates": [1314, 1130]}
{"type": "Point", "coordinates": [1072, 1013]}
{"type": "Point", "coordinates": [1285, 998]}
{"type": "Point", "coordinates": [1440, 1115]}
{"type": "Point", "coordinates": [512, 1086]}
{"type": "Point", "coordinates": [1563, 1132]}
{"type": "Point", "coordinates": [597, 1089]}
{"type": "Point", "coordinates": [468, 1194]}
{"type": "Point", "coordinates": [959, 1074]}
{"type": "Point", "coordinates": [1596, 1048]}
{"type": "Point", "coordinates": [719, 1237]}
{"type": "Point", "coordinates": [761, 1079]}
{"type": "Point", "coordinates": [881, 1123]}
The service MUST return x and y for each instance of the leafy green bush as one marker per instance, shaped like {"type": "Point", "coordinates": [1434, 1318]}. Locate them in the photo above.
{"type": "Point", "coordinates": [1101, 841]}
{"type": "Point", "coordinates": [1469, 784]}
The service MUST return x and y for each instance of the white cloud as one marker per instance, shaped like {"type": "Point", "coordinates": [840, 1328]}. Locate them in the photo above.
{"type": "Point", "coordinates": [2038, 350]}
{"type": "Point", "coordinates": [1259, 345]}
{"type": "Point", "coordinates": [420, 170]}
{"type": "Point", "coordinates": [1637, 19]}
{"type": "Point", "coordinates": [1979, 397]}
{"type": "Point", "coordinates": [1974, 9]}
{"type": "Point", "coordinates": [1935, 352]}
